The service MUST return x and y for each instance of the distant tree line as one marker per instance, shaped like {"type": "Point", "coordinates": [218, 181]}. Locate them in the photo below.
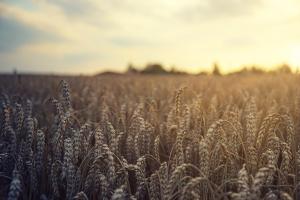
{"type": "Point", "coordinates": [153, 68]}
{"type": "Point", "coordinates": [156, 68]}
{"type": "Point", "coordinates": [281, 69]}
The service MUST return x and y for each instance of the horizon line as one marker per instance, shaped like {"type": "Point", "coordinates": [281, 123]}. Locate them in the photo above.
{"type": "Point", "coordinates": [294, 69]}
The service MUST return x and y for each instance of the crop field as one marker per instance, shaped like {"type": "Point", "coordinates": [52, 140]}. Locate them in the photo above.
{"type": "Point", "coordinates": [150, 137]}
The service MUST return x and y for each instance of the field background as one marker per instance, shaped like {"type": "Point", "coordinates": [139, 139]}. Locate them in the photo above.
{"type": "Point", "coordinates": [150, 137]}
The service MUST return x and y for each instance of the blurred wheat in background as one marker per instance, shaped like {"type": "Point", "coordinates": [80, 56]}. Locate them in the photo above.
{"type": "Point", "coordinates": [150, 137]}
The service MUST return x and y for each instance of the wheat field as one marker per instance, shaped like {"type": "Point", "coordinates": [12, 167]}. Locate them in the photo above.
{"type": "Point", "coordinates": [150, 137]}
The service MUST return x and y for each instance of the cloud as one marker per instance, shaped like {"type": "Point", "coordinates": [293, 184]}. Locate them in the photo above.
{"type": "Point", "coordinates": [74, 8]}
{"type": "Point", "coordinates": [53, 57]}
{"type": "Point", "coordinates": [29, 5]}
{"type": "Point", "coordinates": [216, 9]}
{"type": "Point", "coordinates": [14, 34]}
{"type": "Point", "coordinates": [131, 42]}
{"type": "Point", "coordinates": [239, 41]}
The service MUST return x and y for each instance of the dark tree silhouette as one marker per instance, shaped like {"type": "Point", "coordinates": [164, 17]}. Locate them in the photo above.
{"type": "Point", "coordinates": [285, 68]}
{"type": "Point", "coordinates": [154, 69]}
{"type": "Point", "coordinates": [216, 70]}
{"type": "Point", "coordinates": [131, 69]}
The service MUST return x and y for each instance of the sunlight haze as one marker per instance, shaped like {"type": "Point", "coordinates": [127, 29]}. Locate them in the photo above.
{"type": "Point", "coordinates": [89, 36]}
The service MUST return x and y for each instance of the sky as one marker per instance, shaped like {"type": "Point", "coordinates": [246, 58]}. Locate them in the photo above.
{"type": "Point", "coordinates": [90, 36]}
